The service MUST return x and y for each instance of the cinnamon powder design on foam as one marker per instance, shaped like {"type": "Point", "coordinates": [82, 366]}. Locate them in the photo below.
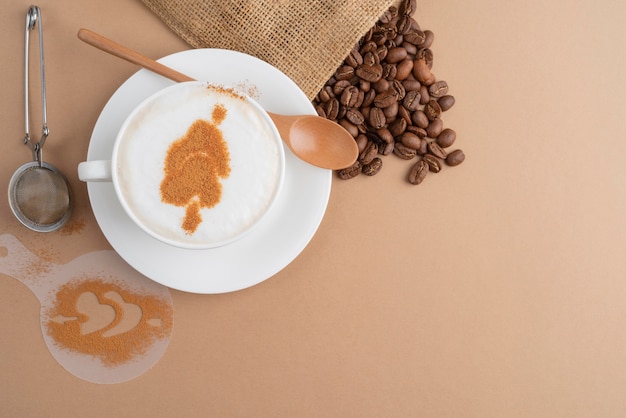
{"type": "Point", "coordinates": [194, 165]}
{"type": "Point", "coordinates": [114, 341]}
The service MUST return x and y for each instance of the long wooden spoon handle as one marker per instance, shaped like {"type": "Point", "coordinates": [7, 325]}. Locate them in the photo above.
{"type": "Point", "coordinates": [129, 55]}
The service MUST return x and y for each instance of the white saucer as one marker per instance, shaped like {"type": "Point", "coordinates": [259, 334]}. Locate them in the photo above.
{"type": "Point", "coordinates": [271, 246]}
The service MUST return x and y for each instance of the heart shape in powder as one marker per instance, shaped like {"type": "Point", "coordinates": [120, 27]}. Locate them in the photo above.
{"type": "Point", "coordinates": [99, 315]}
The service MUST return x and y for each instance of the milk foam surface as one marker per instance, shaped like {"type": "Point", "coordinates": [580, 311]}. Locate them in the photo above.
{"type": "Point", "coordinates": [255, 161]}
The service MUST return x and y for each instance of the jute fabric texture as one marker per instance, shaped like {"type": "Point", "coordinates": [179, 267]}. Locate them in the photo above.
{"type": "Point", "coordinates": [305, 39]}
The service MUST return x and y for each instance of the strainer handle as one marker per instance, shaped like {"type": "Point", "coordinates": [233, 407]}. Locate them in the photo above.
{"type": "Point", "coordinates": [32, 17]}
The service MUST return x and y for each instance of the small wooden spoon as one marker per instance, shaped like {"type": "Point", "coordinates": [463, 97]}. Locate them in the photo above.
{"type": "Point", "coordinates": [314, 139]}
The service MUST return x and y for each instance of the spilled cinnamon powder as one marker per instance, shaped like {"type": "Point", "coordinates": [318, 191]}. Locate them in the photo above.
{"type": "Point", "coordinates": [73, 226]}
{"type": "Point", "coordinates": [194, 165]}
{"type": "Point", "coordinates": [113, 341]}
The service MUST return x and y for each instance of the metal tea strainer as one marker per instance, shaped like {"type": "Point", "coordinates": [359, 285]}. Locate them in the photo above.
{"type": "Point", "coordinates": [39, 194]}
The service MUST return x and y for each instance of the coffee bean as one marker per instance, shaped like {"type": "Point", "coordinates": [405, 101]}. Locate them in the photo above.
{"type": "Point", "coordinates": [407, 7]}
{"type": "Point", "coordinates": [345, 72]}
{"type": "Point", "coordinates": [350, 96]}
{"type": "Point", "coordinates": [404, 114]}
{"type": "Point", "coordinates": [446, 102]}
{"type": "Point", "coordinates": [379, 37]}
{"type": "Point", "coordinates": [355, 116]}
{"type": "Point", "coordinates": [422, 73]}
{"type": "Point", "coordinates": [373, 167]}
{"type": "Point", "coordinates": [385, 135]}
{"type": "Point", "coordinates": [416, 130]}
{"type": "Point", "coordinates": [434, 128]}
{"type": "Point", "coordinates": [332, 109]}
{"type": "Point", "coordinates": [432, 110]}
{"type": "Point", "coordinates": [411, 49]}
{"type": "Point", "coordinates": [404, 152]}
{"type": "Point", "coordinates": [404, 24]}
{"type": "Point", "coordinates": [377, 118]}
{"type": "Point", "coordinates": [368, 47]}
{"type": "Point", "coordinates": [370, 72]}
{"type": "Point", "coordinates": [418, 172]}
{"type": "Point", "coordinates": [354, 59]}
{"type": "Point", "coordinates": [438, 89]}
{"type": "Point", "coordinates": [369, 98]}
{"type": "Point", "coordinates": [415, 25]}
{"type": "Point", "coordinates": [369, 153]}
{"type": "Point", "coordinates": [366, 113]}
{"type": "Point", "coordinates": [436, 150]}
{"type": "Point", "coordinates": [430, 37]}
{"type": "Point", "coordinates": [371, 58]}
{"type": "Point", "coordinates": [359, 99]}
{"type": "Point", "coordinates": [412, 100]}
{"type": "Point", "coordinates": [391, 112]}
{"type": "Point", "coordinates": [411, 83]}
{"type": "Point", "coordinates": [410, 140]}
{"type": "Point", "coordinates": [381, 85]}
{"type": "Point", "coordinates": [364, 86]}
{"type": "Point", "coordinates": [382, 52]}
{"type": "Point", "coordinates": [396, 54]}
{"type": "Point", "coordinates": [420, 119]}
{"type": "Point", "coordinates": [387, 148]}
{"type": "Point", "coordinates": [373, 137]}
{"type": "Point", "coordinates": [342, 112]}
{"type": "Point", "coordinates": [386, 98]}
{"type": "Point", "coordinates": [423, 148]}
{"type": "Point", "coordinates": [415, 37]}
{"type": "Point", "coordinates": [397, 86]}
{"type": "Point", "coordinates": [397, 127]}
{"type": "Point", "coordinates": [323, 96]}
{"type": "Point", "coordinates": [434, 163]}
{"type": "Point", "coordinates": [350, 127]}
{"type": "Point", "coordinates": [404, 69]}
{"type": "Point", "coordinates": [361, 142]}
{"type": "Point", "coordinates": [425, 95]}
{"type": "Point", "coordinates": [390, 71]}
{"type": "Point", "coordinates": [456, 157]}
{"type": "Point", "coordinates": [340, 86]}
{"type": "Point", "coordinates": [427, 55]}
{"type": "Point", "coordinates": [446, 138]}
{"type": "Point", "coordinates": [350, 172]}
{"type": "Point", "coordinates": [386, 17]}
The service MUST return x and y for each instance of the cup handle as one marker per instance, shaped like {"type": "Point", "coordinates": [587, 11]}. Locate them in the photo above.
{"type": "Point", "coordinates": [97, 170]}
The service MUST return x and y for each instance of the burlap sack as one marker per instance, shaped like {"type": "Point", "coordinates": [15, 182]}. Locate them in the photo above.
{"type": "Point", "coordinates": [305, 39]}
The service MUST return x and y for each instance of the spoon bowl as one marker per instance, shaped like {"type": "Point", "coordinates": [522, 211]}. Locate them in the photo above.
{"type": "Point", "coordinates": [314, 139]}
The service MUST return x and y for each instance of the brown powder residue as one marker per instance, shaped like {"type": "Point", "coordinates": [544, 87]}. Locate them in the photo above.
{"type": "Point", "coordinates": [228, 91]}
{"type": "Point", "coordinates": [47, 258]}
{"type": "Point", "coordinates": [73, 226]}
{"type": "Point", "coordinates": [219, 114]}
{"type": "Point", "coordinates": [194, 165]}
{"type": "Point", "coordinates": [37, 269]}
{"type": "Point", "coordinates": [251, 90]}
{"type": "Point", "coordinates": [78, 320]}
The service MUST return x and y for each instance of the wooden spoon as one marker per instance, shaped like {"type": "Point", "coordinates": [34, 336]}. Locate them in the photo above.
{"type": "Point", "coordinates": [314, 139]}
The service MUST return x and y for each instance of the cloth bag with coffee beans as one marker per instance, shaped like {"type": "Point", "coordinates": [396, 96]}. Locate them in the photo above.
{"type": "Point", "coordinates": [305, 39]}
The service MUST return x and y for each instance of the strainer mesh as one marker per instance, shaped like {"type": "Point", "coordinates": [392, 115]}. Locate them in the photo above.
{"type": "Point", "coordinates": [41, 195]}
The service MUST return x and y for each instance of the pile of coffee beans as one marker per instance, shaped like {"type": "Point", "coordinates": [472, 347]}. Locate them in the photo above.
{"type": "Point", "coordinates": [386, 96]}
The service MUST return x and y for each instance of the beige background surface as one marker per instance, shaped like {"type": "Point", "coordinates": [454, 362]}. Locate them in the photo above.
{"type": "Point", "coordinates": [496, 289]}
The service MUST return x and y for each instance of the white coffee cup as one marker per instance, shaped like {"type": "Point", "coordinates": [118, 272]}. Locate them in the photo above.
{"type": "Point", "coordinates": [195, 165]}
